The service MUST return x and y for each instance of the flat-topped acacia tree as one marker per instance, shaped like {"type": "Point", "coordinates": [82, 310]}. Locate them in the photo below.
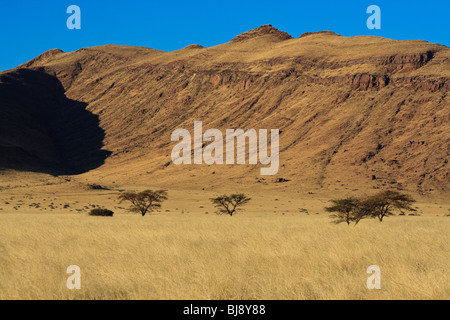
{"type": "Point", "coordinates": [229, 203]}
{"type": "Point", "coordinates": [145, 201]}
{"type": "Point", "coordinates": [384, 203]}
{"type": "Point", "coordinates": [346, 210]}
{"type": "Point", "coordinates": [378, 206]}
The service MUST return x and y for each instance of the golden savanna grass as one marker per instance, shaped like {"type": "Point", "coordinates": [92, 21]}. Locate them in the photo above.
{"type": "Point", "coordinates": [198, 256]}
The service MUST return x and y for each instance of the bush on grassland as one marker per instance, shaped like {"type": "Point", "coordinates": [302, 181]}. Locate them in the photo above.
{"type": "Point", "coordinates": [101, 212]}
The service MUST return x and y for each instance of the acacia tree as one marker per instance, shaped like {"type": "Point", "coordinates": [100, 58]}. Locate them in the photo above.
{"type": "Point", "coordinates": [383, 203]}
{"type": "Point", "coordinates": [378, 206]}
{"type": "Point", "coordinates": [346, 210]}
{"type": "Point", "coordinates": [229, 203]}
{"type": "Point", "coordinates": [144, 201]}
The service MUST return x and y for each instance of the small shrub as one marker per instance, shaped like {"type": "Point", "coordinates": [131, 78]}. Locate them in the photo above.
{"type": "Point", "coordinates": [101, 212]}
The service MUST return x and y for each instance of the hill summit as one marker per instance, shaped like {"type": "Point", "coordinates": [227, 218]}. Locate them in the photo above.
{"type": "Point", "coordinates": [266, 29]}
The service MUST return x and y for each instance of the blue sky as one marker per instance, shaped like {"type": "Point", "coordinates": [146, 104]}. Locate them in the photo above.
{"type": "Point", "coordinates": [30, 27]}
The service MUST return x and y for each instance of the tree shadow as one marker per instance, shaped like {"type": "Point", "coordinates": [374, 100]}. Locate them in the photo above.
{"type": "Point", "coordinates": [42, 130]}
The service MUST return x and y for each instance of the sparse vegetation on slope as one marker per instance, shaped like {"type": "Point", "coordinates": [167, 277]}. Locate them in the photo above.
{"type": "Point", "coordinates": [350, 109]}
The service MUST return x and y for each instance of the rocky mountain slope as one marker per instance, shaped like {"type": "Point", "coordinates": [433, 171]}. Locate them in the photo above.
{"type": "Point", "coordinates": [354, 112]}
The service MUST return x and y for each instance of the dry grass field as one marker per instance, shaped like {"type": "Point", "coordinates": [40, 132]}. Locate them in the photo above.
{"type": "Point", "coordinates": [199, 256]}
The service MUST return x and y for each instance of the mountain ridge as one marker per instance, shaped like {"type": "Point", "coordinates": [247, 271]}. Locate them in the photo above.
{"type": "Point", "coordinates": [355, 113]}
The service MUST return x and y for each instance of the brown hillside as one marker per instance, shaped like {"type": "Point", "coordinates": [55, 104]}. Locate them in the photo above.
{"type": "Point", "coordinates": [354, 112]}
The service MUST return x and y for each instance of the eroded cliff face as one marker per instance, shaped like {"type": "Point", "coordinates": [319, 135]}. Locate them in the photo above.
{"type": "Point", "coordinates": [354, 113]}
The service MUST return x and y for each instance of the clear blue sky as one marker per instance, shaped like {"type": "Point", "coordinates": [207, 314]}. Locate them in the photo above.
{"type": "Point", "coordinates": [30, 27]}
